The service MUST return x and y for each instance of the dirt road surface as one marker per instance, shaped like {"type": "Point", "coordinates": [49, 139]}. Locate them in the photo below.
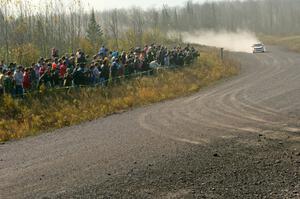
{"type": "Point", "coordinates": [237, 139]}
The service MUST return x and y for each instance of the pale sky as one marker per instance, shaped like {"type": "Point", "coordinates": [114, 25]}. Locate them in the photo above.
{"type": "Point", "coordinates": [111, 4]}
{"type": "Point", "coordinates": [104, 4]}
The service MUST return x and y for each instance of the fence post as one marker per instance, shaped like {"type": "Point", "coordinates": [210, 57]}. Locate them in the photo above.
{"type": "Point", "coordinates": [222, 53]}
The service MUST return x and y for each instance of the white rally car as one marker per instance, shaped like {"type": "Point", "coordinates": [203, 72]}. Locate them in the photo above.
{"type": "Point", "coordinates": [259, 48]}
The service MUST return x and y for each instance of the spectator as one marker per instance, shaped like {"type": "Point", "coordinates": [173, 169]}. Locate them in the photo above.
{"type": "Point", "coordinates": [68, 78]}
{"type": "Point", "coordinates": [3, 66]}
{"type": "Point", "coordinates": [105, 70]}
{"type": "Point", "coordinates": [33, 77]}
{"type": "Point", "coordinates": [95, 74]}
{"type": "Point", "coordinates": [102, 52]}
{"type": "Point", "coordinates": [55, 64]}
{"type": "Point", "coordinates": [8, 83]}
{"type": "Point", "coordinates": [71, 64]}
{"type": "Point", "coordinates": [80, 57]}
{"type": "Point", "coordinates": [75, 69]}
{"type": "Point", "coordinates": [62, 71]}
{"type": "Point", "coordinates": [18, 79]}
{"type": "Point", "coordinates": [26, 80]}
{"type": "Point", "coordinates": [78, 75]}
{"type": "Point", "coordinates": [45, 78]}
{"type": "Point", "coordinates": [55, 73]}
{"type": "Point", "coordinates": [54, 54]}
{"type": "Point", "coordinates": [167, 59]}
{"type": "Point", "coordinates": [115, 69]}
{"type": "Point", "coordinates": [115, 54]}
{"type": "Point", "coordinates": [42, 69]}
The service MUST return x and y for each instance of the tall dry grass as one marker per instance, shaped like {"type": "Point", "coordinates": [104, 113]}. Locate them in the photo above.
{"type": "Point", "coordinates": [53, 110]}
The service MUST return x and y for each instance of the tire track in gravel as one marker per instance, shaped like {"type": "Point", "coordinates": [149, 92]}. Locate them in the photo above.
{"type": "Point", "coordinates": [114, 157]}
{"type": "Point", "coordinates": [232, 106]}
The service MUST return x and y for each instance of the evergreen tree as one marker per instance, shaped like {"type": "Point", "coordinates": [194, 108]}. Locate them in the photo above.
{"type": "Point", "coordinates": [94, 31]}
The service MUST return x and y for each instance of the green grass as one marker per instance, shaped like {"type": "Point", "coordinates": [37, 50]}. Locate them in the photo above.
{"type": "Point", "coordinates": [53, 110]}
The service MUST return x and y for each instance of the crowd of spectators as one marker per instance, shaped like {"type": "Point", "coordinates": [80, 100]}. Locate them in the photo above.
{"type": "Point", "coordinates": [78, 69]}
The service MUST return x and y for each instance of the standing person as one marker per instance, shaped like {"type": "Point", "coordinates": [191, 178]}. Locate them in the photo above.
{"type": "Point", "coordinates": [62, 71]}
{"type": "Point", "coordinates": [131, 66]}
{"type": "Point", "coordinates": [80, 57]}
{"type": "Point", "coordinates": [34, 74]}
{"type": "Point", "coordinates": [45, 78]}
{"type": "Point", "coordinates": [104, 76]}
{"type": "Point", "coordinates": [137, 64]}
{"type": "Point", "coordinates": [146, 48]}
{"type": "Point", "coordinates": [54, 53]}
{"type": "Point", "coordinates": [68, 78]}
{"type": "Point", "coordinates": [78, 75]}
{"type": "Point", "coordinates": [167, 59]}
{"type": "Point", "coordinates": [71, 65]}
{"type": "Point", "coordinates": [26, 80]}
{"type": "Point", "coordinates": [115, 70]}
{"type": "Point", "coordinates": [3, 66]}
{"type": "Point", "coordinates": [115, 54]}
{"type": "Point", "coordinates": [36, 68]}
{"type": "Point", "coordinates": [55, 64]}
{"type": "Point", "coordinates": [42, 69]}
{"type": "Point", "coordinates": [102, 52]}
{"type": "Point", "coordinates": [96, 74]}
{"type": "Point", "coordinates": [66, 59]}
{"type": "Point", "coordinates": [123, 64]}
{"type": "Point", "coordinates": [55, 77]}
{"type": "Point", "coordinates": [8, 83]}
{"type": "Point", "coordinates": [123, 58]}
{"type": "Point", "coordinates": [150, 55]}
{"type": "Point", "coordinates": [18, 78]}
{"type": "Point", "coordinates": [33, 77]}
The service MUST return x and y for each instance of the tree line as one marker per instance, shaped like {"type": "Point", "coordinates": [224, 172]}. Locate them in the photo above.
{"type": "Point", "coordinates": [27, 31]}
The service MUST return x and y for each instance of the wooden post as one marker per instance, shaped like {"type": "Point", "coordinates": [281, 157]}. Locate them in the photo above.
{"type": "Point", "coordinates": [222, 53]}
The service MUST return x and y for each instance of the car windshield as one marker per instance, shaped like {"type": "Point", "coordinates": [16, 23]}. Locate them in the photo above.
{"type": "Point", "coordinates": [258, 45]}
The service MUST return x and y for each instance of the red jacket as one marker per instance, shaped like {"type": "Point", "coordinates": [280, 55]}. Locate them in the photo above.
{"type": "Point", "coordinates": [62, 70]}
{"type": "Point", "coordinates": [26, 81]}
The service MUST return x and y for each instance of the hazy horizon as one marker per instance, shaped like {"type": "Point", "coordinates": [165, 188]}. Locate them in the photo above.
{"type": "Point", "coordinates": [101, 5]}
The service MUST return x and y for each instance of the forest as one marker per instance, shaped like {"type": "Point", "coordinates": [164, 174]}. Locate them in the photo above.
{"type": "Point", "coordinates": [28, 32]}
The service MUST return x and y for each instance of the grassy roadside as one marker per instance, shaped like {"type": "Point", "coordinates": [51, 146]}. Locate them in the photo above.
{"type": "Point", "coordinates": [290, 42]}
{"type": "Point", "coordinates": [19, 119]}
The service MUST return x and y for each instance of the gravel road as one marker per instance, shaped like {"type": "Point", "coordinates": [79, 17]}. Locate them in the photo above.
{"type": "Point", "coordinates": [237, 139]}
